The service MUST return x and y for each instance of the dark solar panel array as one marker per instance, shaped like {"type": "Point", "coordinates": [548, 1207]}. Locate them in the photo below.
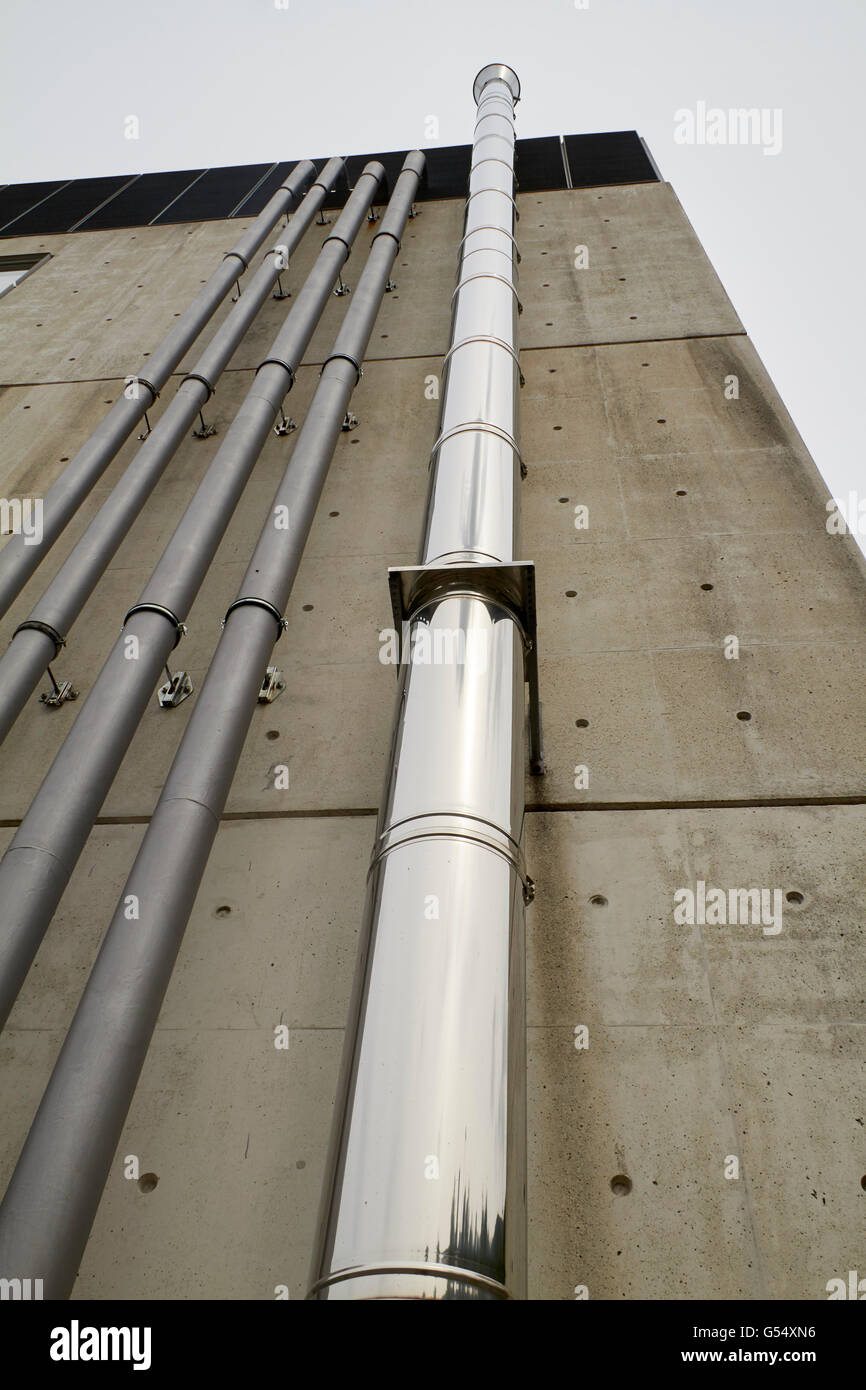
{"type": "Point", "coordinates": [613, 157]}
{"type": "Point", "coordinates": [63, 209]}
{"type": "Point", "coordinates": [196, 195]}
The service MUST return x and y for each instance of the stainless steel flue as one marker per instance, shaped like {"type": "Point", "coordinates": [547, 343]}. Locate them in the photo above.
{"type": "Point", "coordinates": [425, 1195]}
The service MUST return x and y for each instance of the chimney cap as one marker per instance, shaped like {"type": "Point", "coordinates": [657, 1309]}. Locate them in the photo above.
{"type": "Point", "coordinates": [499, 71]}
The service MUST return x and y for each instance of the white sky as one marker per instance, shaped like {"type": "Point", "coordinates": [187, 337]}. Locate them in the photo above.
{"type": "Point", "coordinates": [241, 81]}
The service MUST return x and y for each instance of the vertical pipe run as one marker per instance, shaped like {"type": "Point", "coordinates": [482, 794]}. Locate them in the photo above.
{"type": "Point", "coordinates": [425, 1195]}
{"type": "Point", "coordinates": [47, 1213]}
{"type": "Point", "coordinates": [62, 500]}
{"type": "Point", "coordinates": [44, 850]}
{"type": "Point", "coordinates": [33, 645]}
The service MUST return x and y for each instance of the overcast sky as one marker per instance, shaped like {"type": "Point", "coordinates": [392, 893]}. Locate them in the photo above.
{"type": "Point", "coordinates": [246, 81]}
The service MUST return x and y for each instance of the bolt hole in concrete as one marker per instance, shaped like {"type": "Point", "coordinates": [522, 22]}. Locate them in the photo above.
{"type": "Point", "coordinates": [598, 900]}
{"type": "Point", "coordinates": [662, 421]}
{"type": "Point", "coordinates": [147, 1182]}
{"type": "Point", "coordinates": [562, 499]}
{"type": "Point", "coordinates": [581, 723]}
{"type": "Point", "coordinates": [794, 897]}
{"type": "Point", "coordinates": [620, 1186]}
{"type": "Point", "coordinates": [681, 492]}
{"type": "Point", "coordinates": [333, 513]}
{"type": "Point", "coordinates": [223, 910]}
{"type": "Point", "coordinates": [272, 734]}
{"type": "Point", "coordinates": [301, 1163]}
{"type": "Point", "coordinates": [571, 593]}
{"type": "Point", "coordinates": [307, 608]}
{"type": "Point", "coordinates": [706, 588]}
{"type": "Point", "coordinates": [744, 715]}
{"type": "Point", "coordinates": [633, 318]}
{"type": "Point", "coordinates": [557, 427]}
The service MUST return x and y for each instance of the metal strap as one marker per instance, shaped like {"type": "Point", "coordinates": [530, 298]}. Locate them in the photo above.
{"type": "Point", "coordinates": [143, 381]}
{"type": "Point", "coordinates": [163, 612]}
{"type": "Point", "coordinates": [31, 625]}
{"type": "Point", "coordinates": [258, 603]}
{"type": "Point", "coordinates": [245, 263]}
{"type": "Point", "coordinates": [196, 376]}
{"type": "Point", "coordinates": [437, 1271]}
{"type": "Point", "coordinates": [489, 227]}
{"type": "Point", "coordinates": [478, 192]}
{"type": "Point", "coordinates": [483, 338]}
{"type": "Point", "coordinates": [491, 159]}
{"type": "Point", "coordinates": [278, 362]}
{"type": "Point", "coordinates": [505, 847]}
{"type": "Point", "coordinates": [343, 356]}
{"type": "Point", "coordinates": [489, 275]}
{"type": "Point", "coordinates": [342, 240]}
{"type": "Point", "coordinates": [478, 427]}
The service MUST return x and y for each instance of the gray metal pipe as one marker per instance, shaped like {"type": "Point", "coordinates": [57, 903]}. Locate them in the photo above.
{"type": "Point", "coordinates": [46, 1216]}
{"type": "Point", "coordinates": [36, 866]}
{"type": "Point", "coordinates": [17, 560]}
{"type": "Point", "coordinates": [425, 1192]}
{"type": "Point", "coordinates": [39, 639]}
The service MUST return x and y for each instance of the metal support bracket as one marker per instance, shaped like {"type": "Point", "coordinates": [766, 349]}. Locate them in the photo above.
{"type": "Point", "coordinates": [286, 424]}
{"type": "Point", "coordinates": [273, 685]}
{"type": "Point", "coordinates": [342, 288]}
{"type": "Point", "coordinates": [390, 286]}
{"type": "Point", "coordinates": [372, 216]}
{"type": "Point", "coordinates": [148, 430]}
{"type": "Point", "coordinates": [349, 422]}
{"type": "Point", "coordinates": [206, 430]}
{"type": "Point", "coordinates": [60, 693]}
{"type": "Point", "coordinates": [508, 584]}
{"type": "Point", "coordinates": [322, 220]}
{"type": "Point", "coordinates": [279, 292]}
{"type": "Point", "coordinates": [176, 689]}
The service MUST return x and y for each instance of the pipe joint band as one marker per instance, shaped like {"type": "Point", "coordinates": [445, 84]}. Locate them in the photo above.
{"type": "Point", "coordinates": [491, 159]}
{"type": "Point", "coordinates": [479, 192]}
{"type": "Point", "coordinates": [447, 826]}
{"type": "Point", "coordinates": [480, 427]}
{"type": "Point", "coordinates": [196, 376]}
{"type": "Point", "coordinates": [180, 628]}
{"type": "Point", "coordinates": [278, 362]}
{"type": "Point", "coordinates": [489, 275]}
{"type": "Point", "coordinates": [482, 338]}
{"type": "Point", "coordinates": [258, 603]}
{"type": "Point", "coordinates": [31, 625]}
{"type": "Point", "coordinates": [243, 260]}
{"type": "Point", "coordinates": [453, 1273]}
{"type": "Point", "coordinates": [344, 357]}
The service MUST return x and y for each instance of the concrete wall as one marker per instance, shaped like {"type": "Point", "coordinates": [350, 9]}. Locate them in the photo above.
{"type": "Point", "coordinates": [704, 1041]}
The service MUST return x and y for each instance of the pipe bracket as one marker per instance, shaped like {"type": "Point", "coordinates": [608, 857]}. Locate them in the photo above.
{"type": "Point", "coordinates": [275, 613]}
{"type": "Point", "coordinates": [196, 376]}
{"type": "Point", "coordinates": [243, 260]}
{"type": "Point", "coordinates": [489, 275]}
{"type": "Point", "coordinates": [180, 628]}
{"type": "Point", "coordinates": [278, 362]}
{"type": "Point", "coordinates": [32, 625]}
{"type": "Point", "coordinates": [344, 357]}
{"type": "Point", "coordinates": [455, 826]}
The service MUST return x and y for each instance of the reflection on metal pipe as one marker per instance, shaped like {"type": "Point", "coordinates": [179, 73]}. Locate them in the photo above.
{"type": "Point", "coordinates": [425, 1195]}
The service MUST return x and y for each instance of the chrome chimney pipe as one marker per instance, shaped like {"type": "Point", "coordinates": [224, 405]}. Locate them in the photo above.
{"type": "Point", "coordinates": [48, 1210]}
{"type": "Point", "coordinates": [37, 641]}
{"type": "Point", "coordinates": [62, 500]}
{"type": "Point", "coordinates": [36, 867]}
{"type": "Point", "coordinates": [425, 1194]}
